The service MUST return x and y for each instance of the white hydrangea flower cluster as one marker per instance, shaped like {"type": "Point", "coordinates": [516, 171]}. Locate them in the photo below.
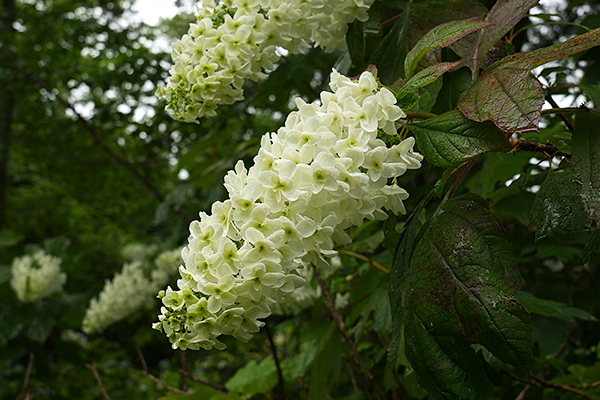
{"type": "Point", "coordinates": [322, 172]}
{"type": "Point", "coordinates": [139, 251]}
{"type": "Point", "coordinates": [132, 288]}
{"type": "Point", "coordinates": [237, 40]}
{"type": "Point", "coordinates": [38, 276]}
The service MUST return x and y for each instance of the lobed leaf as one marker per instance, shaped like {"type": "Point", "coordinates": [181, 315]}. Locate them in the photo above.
{"type": "Point", "coordinates": [450, 139]}
{"type": "Point", "coordinates": [441, 36]}
{"type": "Point", "coordinates": [586, 161]}
{"type": "Point", "coordinates": [462, 283]}
{"type": "Point", "coordinates": [558, 205]}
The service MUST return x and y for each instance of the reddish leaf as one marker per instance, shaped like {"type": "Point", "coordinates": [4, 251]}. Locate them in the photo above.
{"type": "Point", "coordinates": [510, 97]}
{"type": "Point", "coordinates": [504, 15]}
{"type": "Point", "coordinates": [507, 94]}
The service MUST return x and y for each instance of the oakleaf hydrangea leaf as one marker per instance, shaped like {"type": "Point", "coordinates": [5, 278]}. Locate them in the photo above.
{"type": "Point", "coordinates": [558, 205]}
{"type": "Point", "coordinates": [461, 291]}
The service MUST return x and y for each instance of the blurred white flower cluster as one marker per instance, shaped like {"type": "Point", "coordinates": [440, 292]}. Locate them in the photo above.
{"type": "Point", "coordinates": [237, 40]}
{"type": "Point", "coordinates": [322, 172]}
{"type": "Point", "coordinates": [38, 276]}
{"type": "Point", "coordinates": [132, 288]}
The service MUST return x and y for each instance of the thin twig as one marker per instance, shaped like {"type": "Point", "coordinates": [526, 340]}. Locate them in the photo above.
{"type": "Point", "coordinates": [562, 115]}
{"type": "Point", "coordinates": [163, 384]}
{"type": "Point", "coordinates": [365, 258]}
{"type": "Point", "coordinates": [466, 166]}
{"type": "Point", "coordinates": [154, 378]}
{"type": "Point", "coordinates": [542, 383]}
{"type": "Point", "coordinates": [276, 359]}
{"type": "Point", "coordinates": [184, 385]}
{"type": "Point", "coordinates": [523, 392]}
{"type": "Point", "coordinates": [340, 323]}
{"type": "Point", "coordinates": [389, 21]}
{"type": "Point", "coordinates": [25, 388]}
{"type": "Point", "coordinates": [567, 388]}
{"type": "Point", "coordinates": [546, 148]}
{"type": "Point", "coordinates": [206, 383]}
{"type": "Point", "coordinates": [98, 379]}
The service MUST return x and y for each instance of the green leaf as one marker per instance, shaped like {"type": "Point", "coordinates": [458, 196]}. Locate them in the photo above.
{"type": "Point", "coordinates": [462, 280]}
{"type": "Point", "coordinates": [379, 304]}
{"type": "Point", "coordinates": [355, 39]}
{"type": "Point", "coordinates": [507, 94]}
{"type": "Point", "coordinates": [390, 54]}
{"type": "Point", "coordinates": [325, 368]}
{"type": "Point", "coordinates": [428, 95]}
{"type": "Point", "coordinates": [254, 378]}
{"type": "Point", "coordinates": [551, 308]}
{"type": "Point", "coordinates": [400, 271]}
{"type": "Point", "coordinates": [558, 205]}
{"type": "Point", "coordinates": [454, 84]}
{"type": "Point", "coordinates": [407, 100]}
{"type": "Point", "coordinates": [5, 273]}
{"type": "Point", "coordinates": [450, 139]}
{"type": "Point", "coordinates": [9, 238]}
{"type": "Point", "coordinates": [426, 15]}
{"type": "Point", "coordinates": [429, 74]}
{"type": "Point", "coordinates": [497, 169]}
{"type": "Point", "coordinates": [593, 93]}
{"type": "Point", "coordinates": [441, 36]}
{"type": "Point", "coordinates": [586, 161]}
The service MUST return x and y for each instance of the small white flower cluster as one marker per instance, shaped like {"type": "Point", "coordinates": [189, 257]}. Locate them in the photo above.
{"type": "Point", "coordinates": [38, 276]}
{"type": "Point", "coordinates": [237, 40]}
{"type": "Point", "coordinates": [132, 288]}
{"type": "Point", "coordinates": [321, 173]}
{"type": "Point", "coordinates": [139, 251]}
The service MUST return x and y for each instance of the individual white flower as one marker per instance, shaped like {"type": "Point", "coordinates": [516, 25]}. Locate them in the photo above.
{"type": "Point", "coordinates": [36, 277]}
{"type": "Point", "coordinates": [311, 180]}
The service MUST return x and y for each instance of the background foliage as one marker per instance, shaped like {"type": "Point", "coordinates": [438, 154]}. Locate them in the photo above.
{"type": "Point", "coordinates": [487, 288]}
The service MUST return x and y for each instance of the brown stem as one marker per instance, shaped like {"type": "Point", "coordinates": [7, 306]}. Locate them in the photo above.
{"type": "Point", "coordinates": [184, 384]}
{"type": "Point", "coordinates": [154, 378]}
{"type": "Point", "coordinates": [25, 389]}
{"type": "Point", "coordinates": [565, 119]}
{"type": "Point", "coordinates": [542, 383]}
{"type": "Point", "coordinates": [412, 114]}
{"type": "Point", "coordinates": [466, 166]}
{"type": "Point", "coordinates": [206, 383]}
{"type": "Point", "coordinates": [366, 259]}
{"type": "Point", "coordinates": [390, 21]}
{"type": "Point", "coordinates": [281, 387]}
{"type": "Point", "coordinates": [94, 370]}
{"type": "Point", "coordinates": [340, 323]}
{"type": "Point", "coordinates": [546, 148]}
